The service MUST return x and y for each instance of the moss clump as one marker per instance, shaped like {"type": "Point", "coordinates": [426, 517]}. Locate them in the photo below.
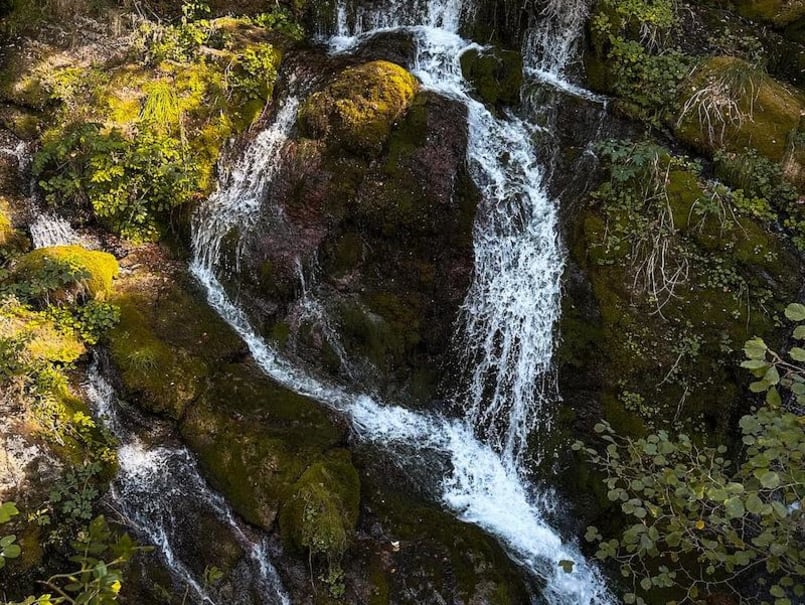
{"type": "Point", "coordinates": [727, 104]}
{"type": "Point", "coordinates": [255, 439]}
{"type": "Point", "coordinates": [497, 75]}
{"type": "Point", "coordinates": [322, 511]}
{"type": "Point", "coordinates": [776, 12]}
{"type": "Point", "coordinates": [6, 230]}
{"type": "Point", "coordinates": [358, 109]}
{"type": "Point", "coordinates": [164, 379]}
{"type": "Point", "coordinates": [95, 270]}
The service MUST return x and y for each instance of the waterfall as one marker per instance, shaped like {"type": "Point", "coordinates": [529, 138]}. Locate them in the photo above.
{"type": "Point", "coordinates": [508, 316]}
{"type": "Point", "coordinates": [49, 229]}
{"type": "Point", "coordinates": [46, 229]}
{"type": "Point", "coordinates": [159, 491]}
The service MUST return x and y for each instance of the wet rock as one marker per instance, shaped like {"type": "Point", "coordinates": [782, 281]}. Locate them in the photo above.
{"type": "Point", "coordinates": [383, 237]}
{"type": "Point", "coordinates": [496, 74]}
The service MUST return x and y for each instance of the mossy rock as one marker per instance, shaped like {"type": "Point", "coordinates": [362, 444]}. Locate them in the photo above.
{"type": "Point", "coordinates": [359, 107]}
{"type": "Point", "coordinates": [321, 513]}
{"type": "Point", "coordinates": [254, 439]}
{"type": "Point", "coordinates": [99, 268]}
{"type": "Point", "coordinates": [162, 378]}
{"type": "Point", "coordinates": [771, 112]}
{"type": "Point", "coordinates": [496, 75]}
{"type": "Point", "coordinates": [6, 229]}
{"type": "Point", "coordinates": [778, 13]}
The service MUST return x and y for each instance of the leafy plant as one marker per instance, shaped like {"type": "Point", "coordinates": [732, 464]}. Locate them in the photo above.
{"type": "Point", "coordinates": [701, 522]}
{"type": "Point", "coordinates": [127, 184]}
{"type": "Point", "coordinates": [9, 549]}
{"type": "Point", "coordinates": [100, 558]}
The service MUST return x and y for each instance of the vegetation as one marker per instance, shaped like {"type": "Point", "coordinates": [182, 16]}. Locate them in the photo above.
{"type": "Point", "coordinates": [99, 559]}
{"type": "Point", "coordinates": [703, 522]}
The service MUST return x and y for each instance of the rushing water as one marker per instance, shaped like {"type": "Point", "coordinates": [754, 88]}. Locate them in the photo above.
{"type": "Point", "coordinates": [160, 492]}
{"type": "Point", "coordinates": [509, 312]}
{"type": "Point", "coordinates": [46, 229]}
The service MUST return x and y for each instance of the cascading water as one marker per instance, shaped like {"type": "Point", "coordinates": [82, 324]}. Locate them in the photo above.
{"type": "Point", "coordinates": [515, 295]}
{"type": "Point", "coordinates": [46, 229]}
{"type": "Point", "coordinates": [159, 491]}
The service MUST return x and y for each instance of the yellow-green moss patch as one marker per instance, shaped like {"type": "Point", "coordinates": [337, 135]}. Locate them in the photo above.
{"type": "Point", "coordinates": [727, 104]}
{"type": "Point", "coordinates": [359, 107]}
{"type": "Point", "coordinates": [98, 268]}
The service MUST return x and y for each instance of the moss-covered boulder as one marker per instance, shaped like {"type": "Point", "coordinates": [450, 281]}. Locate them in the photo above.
{"type": "Point", "coordinates": [176, 357]}
{"type": "Point", "coordinates": [496, 74]}
{"type": "Point", "coordinates": [775, 12]}
{"type": "Point", "coordinates": [254, 439]}
{"type": "Point", "coordinates": [727, 104]}
{"type": "Point", "coordinates": [359, 107]}
{"type": "Point", "coordinates": [68, 271]}
{"type": "Point", "coordinates": [321, 512]}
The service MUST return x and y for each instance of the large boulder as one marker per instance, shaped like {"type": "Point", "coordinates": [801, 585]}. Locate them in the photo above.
{"type": "Point", "coordinates": [778, 13]}
{"type": "Point", "coordinates": [359, 107]}
{"type": "Point", "coordinates": [387, 234]}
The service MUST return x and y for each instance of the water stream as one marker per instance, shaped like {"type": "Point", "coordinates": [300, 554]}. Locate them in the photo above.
{"type": "Point", "coordinates": [508, 316]}
{"type": "Point", "coordinates": [160, 492]}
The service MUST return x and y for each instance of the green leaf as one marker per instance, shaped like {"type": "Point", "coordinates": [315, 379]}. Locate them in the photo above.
{"type": "Point", "coordinates": [734, 507]}
{"type": "Point", "coordinates": [795, 312]}
{"type": "Point", "coordinates": [797, 354]}
{"type": "Point", "coordinates": [799, 332]}
{"type": "Point", "coordinates": [769, 480]}
{"type": "Point", "coordinates": [773, 398]}
{"type": "Point", "coordinates": [755, 348]}
{"type": "Point", "coordinates": [754, 504]}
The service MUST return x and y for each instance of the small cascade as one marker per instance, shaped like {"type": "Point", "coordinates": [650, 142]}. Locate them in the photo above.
{"type": "Point", "coordinates": [514, 300]}
{"type": "Point", "coordinates": [552, 45]}
{"type": "Point", "coordinates": [48, 229]}
{"type": "Point", "coordinates": [160, 493]}
{"type": "Point", "coordinates": [239, 197]}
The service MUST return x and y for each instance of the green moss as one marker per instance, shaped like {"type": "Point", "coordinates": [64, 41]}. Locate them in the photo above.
{"type": "Point", "coordinates": [775, 12]}
{"type": "Point", "coordinates": [497, 75]}
{"type": "Point", "coordinates": [358, 108]}
{"type": "Point", "coordinates": [163, 379]}
{"type": "Point", "coordinates": [100, 267]}
{"type": "Point", "coordinates": [321, 512]}
{"type": "Point", "coordinates": [769, 111]}
{"type": "Point", "coordinates": [255, 439]}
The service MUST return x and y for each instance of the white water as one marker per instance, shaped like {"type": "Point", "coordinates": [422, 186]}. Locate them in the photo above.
{"type": "Point", "coordinates": [47, 229]}
{"type": "Point", "coordinates": [510, 312]}
{"type": "Point", "coordinates": [158, 489]}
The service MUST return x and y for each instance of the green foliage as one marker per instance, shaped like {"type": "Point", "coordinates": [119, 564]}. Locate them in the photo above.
{"type": "Point", "coordinates": [128, 184]}
{"type": "Point", "coordinates": [52, 275]}
{"type": "Point", "coordinates": [701, 522]}
{"type": "Point", "coordinates": [280, 21]}
{"type": "Point", "coordinates": [255, 72]}
{"type": "Point", "coordinates": [647, 80]}
{"type": "Point", "coordinates": [759, 178]}
{"type": "Point", "coordinates": [9, 549]}
{"type": "Point", "coordinates": [91, 320]}
{"type": "Point", "coordinates": [100, 557]}
{"type": "Point", "coordinates": [71, 501]}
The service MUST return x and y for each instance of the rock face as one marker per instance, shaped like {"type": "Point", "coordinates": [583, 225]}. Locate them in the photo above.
{"type": "Point", "coordinates": [375, 206]}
